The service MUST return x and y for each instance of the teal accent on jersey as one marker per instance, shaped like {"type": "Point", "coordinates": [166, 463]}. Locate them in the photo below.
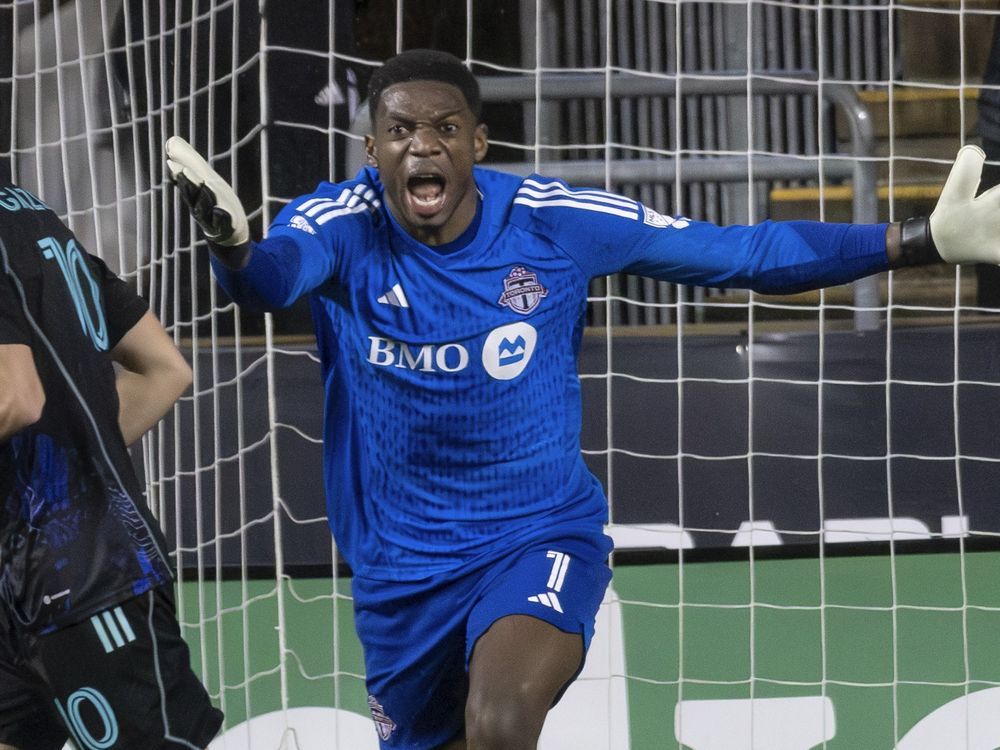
{"type": "Point", "coordinates": [453, 410]}
{"type": "Point", "coordinates": [83, 735]}
{"type": "Point", "coordinates": [82, 287]}
{"type": "Point", "coordinates": [13, 198]}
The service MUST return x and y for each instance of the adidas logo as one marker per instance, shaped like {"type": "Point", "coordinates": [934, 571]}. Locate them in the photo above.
{"type": "Point", "coordinates": [383, 723]}
{"type": "Point", "coordinates": [112, 625]}
{"type": "Point", "coordinates": [560, 563]}
{"type": "Point", "coordinates": [395, 297]}
{"type": "Point", "coordinates": [548, 599]}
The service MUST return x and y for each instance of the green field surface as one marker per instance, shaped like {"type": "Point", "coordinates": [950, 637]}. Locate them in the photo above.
{"type": "Point", "coordinates": [888, 639]}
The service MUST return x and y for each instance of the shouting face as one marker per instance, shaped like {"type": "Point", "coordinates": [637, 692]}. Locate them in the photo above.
{"type": "Point", "coordinates": [425, 143]}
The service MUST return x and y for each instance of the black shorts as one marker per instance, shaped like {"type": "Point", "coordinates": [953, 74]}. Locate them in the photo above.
{"type": "Point", "coordinates": [119, 680]}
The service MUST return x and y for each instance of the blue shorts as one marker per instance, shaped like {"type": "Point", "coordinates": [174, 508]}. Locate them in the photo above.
{"type": "Point", "coordinates": [418, 636]}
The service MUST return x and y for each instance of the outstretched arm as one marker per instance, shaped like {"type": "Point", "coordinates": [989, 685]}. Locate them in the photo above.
{"type": "Point", "coordinates": [21, 395]}
{"type": "Point", "coordinates": [153, 377]}
{"type": "Point", "coordinates": [607, 234]}
{"type": "Point", "coordinates": [296, 257]}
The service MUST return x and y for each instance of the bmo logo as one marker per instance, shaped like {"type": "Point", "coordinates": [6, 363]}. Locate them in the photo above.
{"type": "Point", "coordinates": [425, 358]}
{"type": "Point", "coordinates": [506, 352]}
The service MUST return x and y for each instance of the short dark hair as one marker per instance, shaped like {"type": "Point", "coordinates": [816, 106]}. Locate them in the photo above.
{"type": "Point", "coordinates": [424, 65]}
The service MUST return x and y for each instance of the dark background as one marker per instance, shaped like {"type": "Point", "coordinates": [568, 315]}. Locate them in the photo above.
{"type": "Point", "coordinates": [710, 490]}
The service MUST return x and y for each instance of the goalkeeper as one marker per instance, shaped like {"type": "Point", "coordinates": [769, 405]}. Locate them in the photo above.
{"type": "Point", "coordinates": [448, 303]}
{"type": "Point", "coordinates": [90, 649]}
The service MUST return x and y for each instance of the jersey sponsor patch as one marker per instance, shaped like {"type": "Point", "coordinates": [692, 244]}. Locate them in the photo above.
{"type": "Point", "coordinates": [452, 357]}
{"type": "Point", "coordinates": [508, 350]}
{"type": "Point", "coordinates": [656, 219]}
{"type": "Point", "coordinates": [300, 222]}
{"type": "Point", "coordinates": [383, 724]}
{"type": "Point", "coordinates": [521, 291]}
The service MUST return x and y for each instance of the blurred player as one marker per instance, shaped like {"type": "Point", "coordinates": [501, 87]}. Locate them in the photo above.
{"type": "Point", "coordinates": [448, 303]}
{"type": "Point", "coordinates": [90, 649]}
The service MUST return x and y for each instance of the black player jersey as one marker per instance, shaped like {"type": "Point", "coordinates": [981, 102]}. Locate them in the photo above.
{"type": "Point", "coordinates": [75, 533]}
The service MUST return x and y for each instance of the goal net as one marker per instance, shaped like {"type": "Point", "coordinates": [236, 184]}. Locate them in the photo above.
{"type": "Point", "coordinates": [802, 489]}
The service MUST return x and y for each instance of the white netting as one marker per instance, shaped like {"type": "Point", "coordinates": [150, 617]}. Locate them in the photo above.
{"type": "Point", "coordinates": [802, 424]}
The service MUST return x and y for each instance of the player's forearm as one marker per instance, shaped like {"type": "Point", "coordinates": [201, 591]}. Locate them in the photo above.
{"type": "Point", "coordinates": [796, 256]}
{"type": "Point", "coordinates": [144, 398]}
{"type": "Point", "coordinates": [841, 253]}
{"type": "Point", "coordinates": [16, 414]}
{"type": "Point", "coordinates": [154, 374]}
{"type": "Point", "coordinates": [22, 397]}
{"type": "Point", "coordinates": [963, 228]}
{"type": "Point", "coordinates": [272, 277]}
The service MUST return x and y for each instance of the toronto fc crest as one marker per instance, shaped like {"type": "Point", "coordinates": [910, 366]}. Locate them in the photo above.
{"type": "Point", "coordinates": [521, 291]}
{"type": "Point", "coordinates": [383, 723]}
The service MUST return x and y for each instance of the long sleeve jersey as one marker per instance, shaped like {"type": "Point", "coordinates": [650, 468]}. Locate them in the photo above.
{"type": "Point", "coordinates": [452, 400]}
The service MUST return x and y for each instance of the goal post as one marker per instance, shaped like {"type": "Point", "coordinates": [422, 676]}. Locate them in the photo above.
{"type": "Point", "coordinates": [801, 488]}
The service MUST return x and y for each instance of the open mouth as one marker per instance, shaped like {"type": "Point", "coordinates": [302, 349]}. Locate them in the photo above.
{"type": "Point", "coordinates": [426, 193]}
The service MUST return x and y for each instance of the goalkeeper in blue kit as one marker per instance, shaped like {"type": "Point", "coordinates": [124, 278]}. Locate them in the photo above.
{"type": "Point", "coordinates": [448, 303]}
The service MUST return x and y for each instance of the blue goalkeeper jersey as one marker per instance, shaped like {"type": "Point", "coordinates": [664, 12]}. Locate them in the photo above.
{"type": "Point", "coordinates": [452, 409]}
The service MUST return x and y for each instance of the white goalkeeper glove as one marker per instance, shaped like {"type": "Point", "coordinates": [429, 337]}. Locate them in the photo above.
{"type": "Point", "coordinates": [965, 228]}
{"type": "Point", "coordinates": [209, 198]}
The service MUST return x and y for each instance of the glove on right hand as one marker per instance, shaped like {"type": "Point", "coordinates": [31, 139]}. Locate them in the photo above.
{"type": "Point", "coordinates": [211, 200]}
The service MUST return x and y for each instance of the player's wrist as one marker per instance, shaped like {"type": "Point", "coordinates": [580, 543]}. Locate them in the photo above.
{"type": "Point", "coordinates": [916, 244]}
{"type": "Point", "coordinates": [233, 257]}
